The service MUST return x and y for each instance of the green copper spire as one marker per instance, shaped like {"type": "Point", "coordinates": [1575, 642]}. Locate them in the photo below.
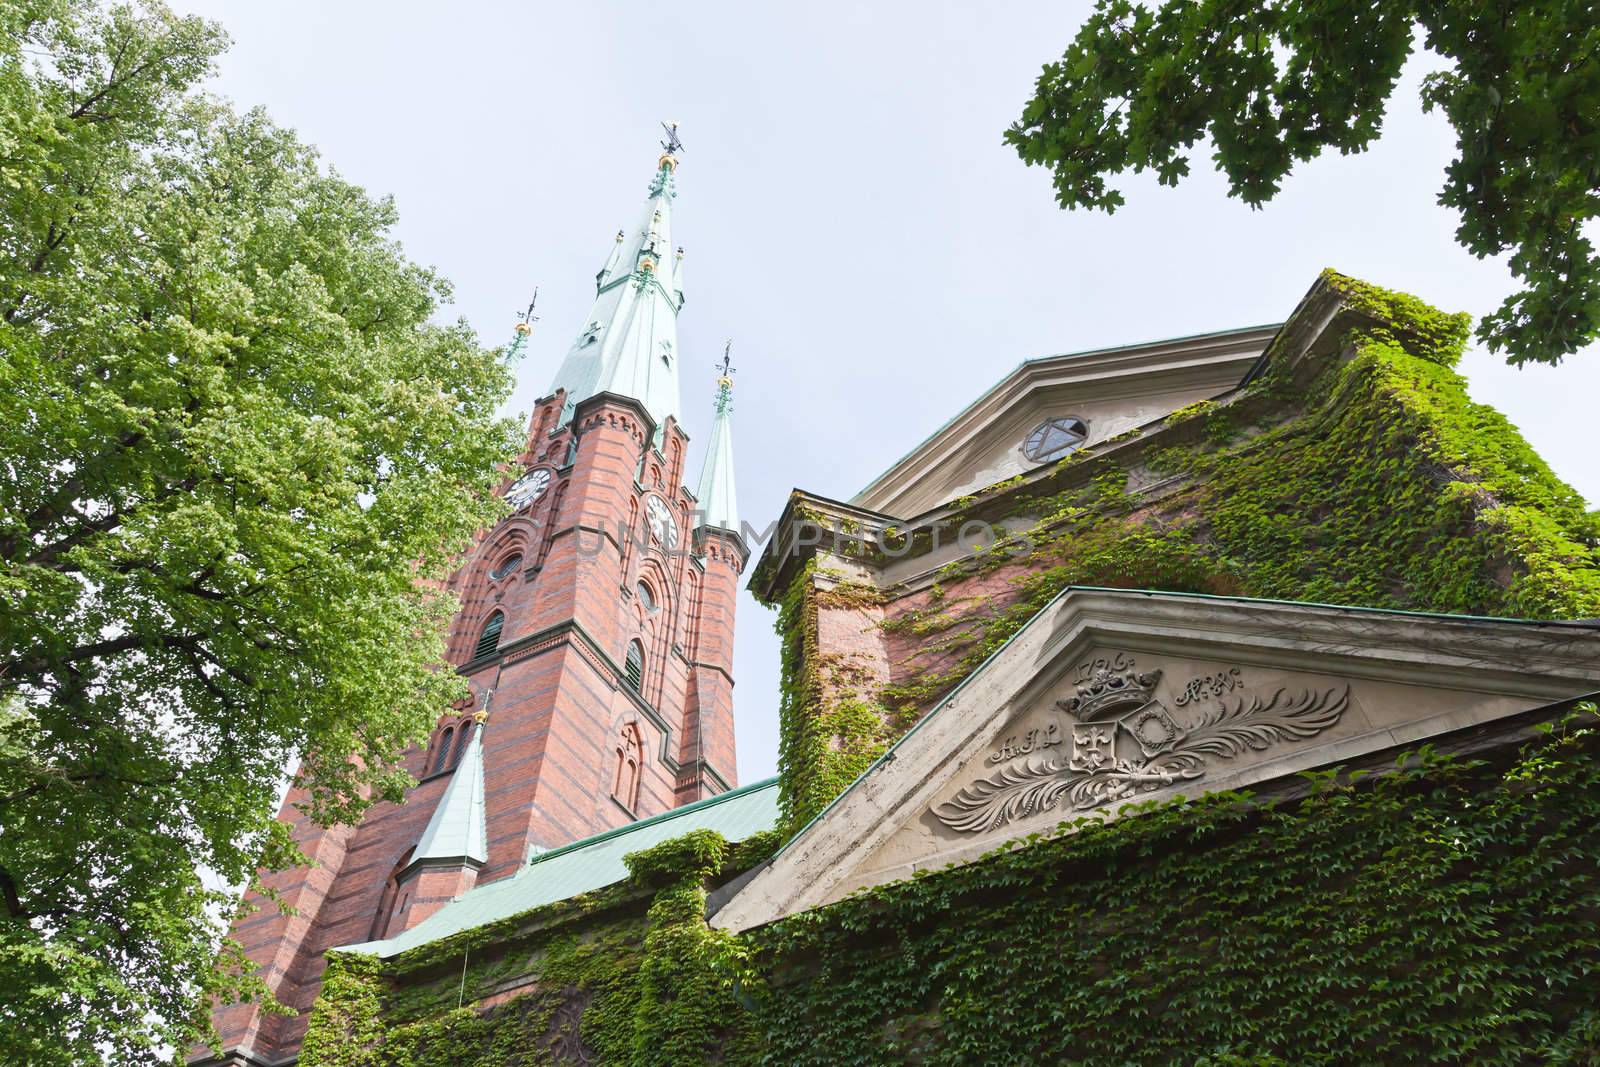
{"type": "Point", "coordinates": [629, 343]}
{"type": "Point", "coordinates": [456, 829]}
{"type": "Point", "coordinates": [718, 498]}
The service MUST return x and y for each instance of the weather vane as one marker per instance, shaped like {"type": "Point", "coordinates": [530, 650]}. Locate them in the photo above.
{"type": "Point", "coordinates": [671, 145]}
{"type": "Point", "coordinates": [725, 369]}
{"type": "Point", "coordinates": [526, 320]}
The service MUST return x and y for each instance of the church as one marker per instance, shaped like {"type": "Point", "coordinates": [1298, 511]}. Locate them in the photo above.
{"type": "Point", "coordinates": [1222, 699]}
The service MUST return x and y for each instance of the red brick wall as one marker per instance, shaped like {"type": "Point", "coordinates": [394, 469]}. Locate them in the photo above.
{"type": "Point", "coordinates": [557, 701]}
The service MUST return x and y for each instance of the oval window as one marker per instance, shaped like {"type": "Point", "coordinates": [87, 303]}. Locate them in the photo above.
{"type": "Point", "coordinates": [506, 566]}
{"type": "Point", "coordinates": [647, 598]}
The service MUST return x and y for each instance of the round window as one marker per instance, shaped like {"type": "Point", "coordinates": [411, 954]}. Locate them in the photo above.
{"type": "Point", "coordinates": [506, 566]}
{"type": "Point", "coordinates": [1054, 438]}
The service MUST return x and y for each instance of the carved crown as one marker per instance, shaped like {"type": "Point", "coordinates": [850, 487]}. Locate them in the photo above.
{"type": "Point", "coordinates": [1105, 685]}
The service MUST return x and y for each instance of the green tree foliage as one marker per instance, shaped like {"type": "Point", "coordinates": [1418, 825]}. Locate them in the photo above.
{"type": "Point", "coordinates": [234, 450]}
{"type": "Point", "coordinates": [1276, 83]}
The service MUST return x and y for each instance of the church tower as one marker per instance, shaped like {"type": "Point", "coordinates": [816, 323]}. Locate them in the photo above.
{"type": "Point", "coordinates": [595, 633]}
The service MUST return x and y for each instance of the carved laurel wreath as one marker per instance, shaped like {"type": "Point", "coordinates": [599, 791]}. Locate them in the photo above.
{"type": "Point", "coordinates": [1040, 783]}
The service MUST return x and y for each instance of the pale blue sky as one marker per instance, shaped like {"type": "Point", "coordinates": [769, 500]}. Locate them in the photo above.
{"type": "Point", "coordinates": [850, 216]}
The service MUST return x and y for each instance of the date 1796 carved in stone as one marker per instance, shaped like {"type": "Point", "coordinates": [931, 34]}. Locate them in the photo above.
{"type": "Point", "coordinates": [1126, 742]}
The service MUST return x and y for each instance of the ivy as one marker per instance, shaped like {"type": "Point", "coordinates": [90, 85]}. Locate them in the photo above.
{"type": "Point", "coordinates": [628, 974]}
{"type": "Point", "coordinates": [1440, 914]}
{"type": "Point", "coordinates": [828, 735]}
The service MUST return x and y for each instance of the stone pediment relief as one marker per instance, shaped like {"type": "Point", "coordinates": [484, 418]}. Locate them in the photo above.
{"type": "Point", "coordinates": [1116, 739]}
{"type": "Point", "coordinates": [1111, 698]}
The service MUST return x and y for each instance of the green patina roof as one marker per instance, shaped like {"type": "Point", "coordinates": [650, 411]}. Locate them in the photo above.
{"type": "Point", "coordinates": [718, 498]}
{"type": "Point", "coordinates": [629, 343]}
{"type": "Point", "coordinates": [593, 863]}
{"type": "Point", "coordinates": [455, 830]}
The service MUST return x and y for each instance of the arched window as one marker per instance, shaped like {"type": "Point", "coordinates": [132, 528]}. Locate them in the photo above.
{"type": "Point", "coordinates": [386, 900]}
{"type": "Point", "coordinates": [461, 743]}
{"type": "Point", "coordinates": [444, 749]}
{"type": "Point", "coordinates": [629, 752]}
{"type": "Point", "coordinates": [633, 668]}
{"type": "Point", "coordinates": [489, 639]}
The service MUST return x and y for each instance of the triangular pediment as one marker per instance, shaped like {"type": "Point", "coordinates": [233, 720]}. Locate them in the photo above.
{"type": "Point", "coordinates": [1109, 697]}
{"type": "Point", "coordinates": [1104, 393]}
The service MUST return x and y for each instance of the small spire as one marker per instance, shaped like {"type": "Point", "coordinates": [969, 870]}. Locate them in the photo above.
{"type": "Point", "coordinates": [456, 829]}
{"type": "Point", "coordinates": [717, 496]}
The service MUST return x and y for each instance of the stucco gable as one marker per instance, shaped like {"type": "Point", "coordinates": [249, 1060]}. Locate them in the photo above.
{"type": "Point", "coordinates": [1113, 696]}
{"type": "Point", "coordinates": [1112, 390]}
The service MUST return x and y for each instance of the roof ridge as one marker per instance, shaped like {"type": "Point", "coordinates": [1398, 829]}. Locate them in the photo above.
{"type": "Point", "coordinates": [654, 820]}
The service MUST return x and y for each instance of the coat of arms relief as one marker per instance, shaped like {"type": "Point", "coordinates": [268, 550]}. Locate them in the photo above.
{"type": "Point", "coordinates": [1118, 741]}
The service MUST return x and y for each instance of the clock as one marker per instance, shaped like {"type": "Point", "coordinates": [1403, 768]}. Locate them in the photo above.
{"type": "Point", "coordinates": [661, 522]}
{"type": "Point", "coordinates": [528, 488]}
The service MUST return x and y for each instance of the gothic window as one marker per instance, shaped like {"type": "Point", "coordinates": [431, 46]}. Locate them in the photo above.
{"type": "Point", "coordinates": [489, 639]}
{"type": "Point", "coordinates": [461, 744]}
{"type": "Point", "coordinates": [506, 566]}
{"type": "Point", "coordinates": [633, 668]}
{"type": "Point", "coordinates": [1054, 438]}
{"type": "Point", "coordinates": [385, 912]}
{"type": "Point", "coordinates": [689, 611]}
{"type": "Point", "coordinates": [443, 754]}
{"type": "Point", "coordinates": [629, 750]}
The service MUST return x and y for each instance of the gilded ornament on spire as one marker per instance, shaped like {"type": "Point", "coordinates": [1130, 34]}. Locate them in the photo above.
{"type": "Point", "coordinates": [725, 373]}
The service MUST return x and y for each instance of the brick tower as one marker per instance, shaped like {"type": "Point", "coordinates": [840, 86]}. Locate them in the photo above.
{"type": "Point", "coordinates": [595, 632]}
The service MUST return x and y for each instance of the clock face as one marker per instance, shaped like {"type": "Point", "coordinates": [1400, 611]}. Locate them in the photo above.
{"type": "Point", "coordinates": [528, 488]}
{"type": "Point", "coordinates": [661, 524]}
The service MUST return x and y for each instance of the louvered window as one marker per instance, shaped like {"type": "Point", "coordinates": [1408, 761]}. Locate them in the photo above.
{"type": "Point", "coordinates": [444, 750]}
{"type": "Point", "coordinates": [633, 669]}
{"type": "Point", "coordinates": [461, 744]}
{"type": "Point", "coordinates": [489, 640]}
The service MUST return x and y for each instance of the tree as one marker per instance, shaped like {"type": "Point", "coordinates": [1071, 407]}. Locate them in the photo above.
{"type": "Point", "coordinates": [1275, 83]}
{"type": "Point", "coordinates": [234, 453]}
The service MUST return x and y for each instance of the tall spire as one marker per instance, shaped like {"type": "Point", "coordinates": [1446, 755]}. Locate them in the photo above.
{"type": "Point", "coordinates": [718, 499]}
{"type": "Point", "coordinates": [456, 829]}
{"type": "Point", "coordinates": [629, 343]}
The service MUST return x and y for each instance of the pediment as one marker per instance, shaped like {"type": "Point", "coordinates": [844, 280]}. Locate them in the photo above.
{"type": "Point", "coordinates": [1109, 697]}
{"type": "Point", "coordinates": [1111, 390]}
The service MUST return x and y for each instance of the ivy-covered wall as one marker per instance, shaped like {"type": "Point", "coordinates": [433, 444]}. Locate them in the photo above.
{"type": "Point", "coordinates": [1359, 473]}
{"type": "Point", "coordinates": [630, 974]}
{"type": "Point", "coordinates": [1445, 912]}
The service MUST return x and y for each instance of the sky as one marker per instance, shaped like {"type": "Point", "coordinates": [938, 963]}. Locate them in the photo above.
{"type": "Point", "coordinates": [850, 215]}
